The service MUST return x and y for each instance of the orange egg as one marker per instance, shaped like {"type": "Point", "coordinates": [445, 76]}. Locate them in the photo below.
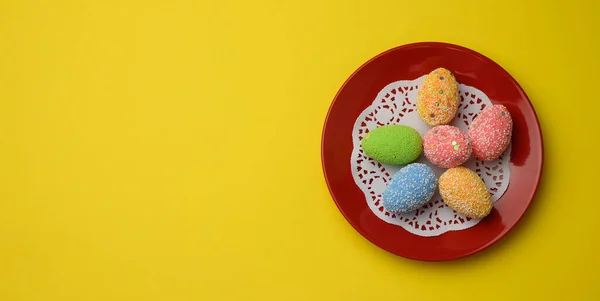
{"type": "Point", "coordinates": [437, 100]}
{"type": "Point", "coordinates": [464, 191]}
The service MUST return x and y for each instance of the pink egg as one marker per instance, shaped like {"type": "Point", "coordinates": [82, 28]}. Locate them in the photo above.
{"type": "Point", "coordinates": [490, 132]}
{"type": "Point", "coordinates": [446, 146]}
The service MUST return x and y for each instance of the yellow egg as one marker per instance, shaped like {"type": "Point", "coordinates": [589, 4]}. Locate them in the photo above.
{"type": "Point", "coordinates": [437, 100]}
{"type": "Point", "coordinates": [463, 190]}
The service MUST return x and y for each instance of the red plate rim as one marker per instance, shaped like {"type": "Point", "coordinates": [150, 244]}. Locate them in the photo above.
{"type": "Point", "coordinates": [531, 124]}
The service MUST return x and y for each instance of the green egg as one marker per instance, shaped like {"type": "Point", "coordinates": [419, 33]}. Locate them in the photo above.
{"type": "Point", "coordinates": [393, 144]}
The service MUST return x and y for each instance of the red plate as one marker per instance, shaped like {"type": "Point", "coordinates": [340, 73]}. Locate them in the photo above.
{"type": "Point", "coordinates": [407, 63]}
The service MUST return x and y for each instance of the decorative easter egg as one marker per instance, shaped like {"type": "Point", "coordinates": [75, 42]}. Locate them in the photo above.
{"type": "Point", "coordinates": [437, 99]}
{"type": "Point", "coordinates": [446, 146]}
{"type": "Point", "coordinates": [393, 144]}
{"type": "Point", "coordinates": [490, 132]}
{"type": "Point", "coordinates": [410, 188]}
{"type": "Point", "coordinates": [463, 190]}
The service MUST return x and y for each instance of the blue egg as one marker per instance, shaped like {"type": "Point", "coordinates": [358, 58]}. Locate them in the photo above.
{"type": "Point", "coordinates": [410, 188]}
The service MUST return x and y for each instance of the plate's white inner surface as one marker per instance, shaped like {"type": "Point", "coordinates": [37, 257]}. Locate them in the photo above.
{"type": "Point", "coordinates": [395, 104]}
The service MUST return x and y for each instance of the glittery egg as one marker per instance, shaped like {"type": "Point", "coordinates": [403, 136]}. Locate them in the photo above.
{"type": "Point", "coordinates": [410, 188]}
{"type": "Point", "coordinates": [464, 191]}
{"type": "Point", "coordinates": [490, 132]}
{"type": "Point", "coordinates": [437, 99]}
{"type": "Point", "coordinates": [446, 146]}
{"type": "Point", "coordinates": [393, 144]}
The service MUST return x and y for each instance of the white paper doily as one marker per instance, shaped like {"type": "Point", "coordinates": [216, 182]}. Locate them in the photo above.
{"type": "Point", "coordinates": [396, 104]}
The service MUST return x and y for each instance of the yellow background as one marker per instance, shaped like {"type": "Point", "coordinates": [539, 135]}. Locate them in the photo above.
{"type": "Point", "coordinates": [170, 150]}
